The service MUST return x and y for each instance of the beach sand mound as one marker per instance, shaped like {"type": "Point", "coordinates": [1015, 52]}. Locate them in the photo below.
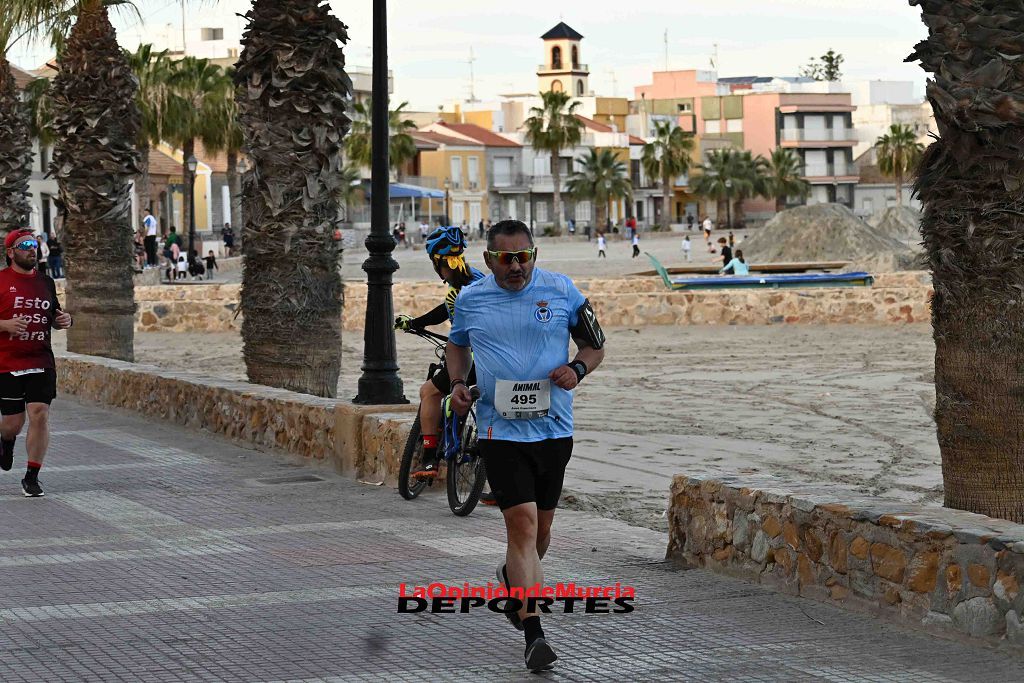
{"type": "Point", "coordinates": [899, 222]}
{"type": "Point", "coordinates": [823, 232]}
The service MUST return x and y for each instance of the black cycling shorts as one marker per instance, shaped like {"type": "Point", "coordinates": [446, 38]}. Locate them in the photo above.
{"type": "Point", "coordinates": [443, 383]}
{"type": "Point", "coordinates": [17, 390]}
{"type": "Point", "coordinates": [526, 472]}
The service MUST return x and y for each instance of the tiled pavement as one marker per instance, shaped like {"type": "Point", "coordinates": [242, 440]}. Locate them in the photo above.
{"type": "Point", "coordinates": [161, 554]}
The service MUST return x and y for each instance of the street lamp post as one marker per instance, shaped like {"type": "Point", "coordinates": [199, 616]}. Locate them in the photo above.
{"type": "Point", "coordinates": [379, 383]}
{"type": "Point", "coordinates": [728, 203]}
{"type": "Point", "coordinates": [447, 213]}
{"type": "Point", "coordinates": [531, 209]}
{"type": "Point", "coordinates": [192, 165]}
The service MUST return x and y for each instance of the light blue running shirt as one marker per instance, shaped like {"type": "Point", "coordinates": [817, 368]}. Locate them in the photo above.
{"type": "Point", "coordinates": [520, 336]}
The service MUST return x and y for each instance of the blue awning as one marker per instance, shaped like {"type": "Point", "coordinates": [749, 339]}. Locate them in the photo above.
{"type": "Point", "coordinates": [403, 191]}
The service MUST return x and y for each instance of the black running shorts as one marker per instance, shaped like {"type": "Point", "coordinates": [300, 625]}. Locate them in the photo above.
{"type": "Point", "coordinates": [526, 472]}
{"type": "Point", "coordinates": [443, 383]}
{"type": "Point", "coordinates": [17, 390]}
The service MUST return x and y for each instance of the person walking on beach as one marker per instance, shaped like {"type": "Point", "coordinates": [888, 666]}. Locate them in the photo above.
{"type": "Point", "coordinates": [601, 245]}
{"type": "Point", "coordinates": [707, 225]}
{"type": "Point", "coordinates": [689, 221]}
{"type": "Point", "coordinates": [686, 248]}
{"type": "Point", "coordinates": [211, 264]}
{"type": "Point", "coordinates": [29, 310]}
{"type": "Point", "coordinates": [726, 252]}
{"type": "Point", "coordinates": [516, 325]}
{"type": "Point", "coordinates": [636, 243]}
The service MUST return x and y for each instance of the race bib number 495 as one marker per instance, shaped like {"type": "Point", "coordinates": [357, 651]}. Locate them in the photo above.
{"type": "Point", "coordinates": [517, 400]}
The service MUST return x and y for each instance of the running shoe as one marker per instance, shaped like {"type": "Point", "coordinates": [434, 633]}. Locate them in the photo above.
{"type": "Point", "coordinates": [6, 454]}
{"type": "Point", "coordinates": [513, 617]}
{"type": "Point", "coordinates": [487, 498]}
{"type": "Point", "coordinates": [32, 489]}
{"type": "Point", "coordinates": [540, 656]}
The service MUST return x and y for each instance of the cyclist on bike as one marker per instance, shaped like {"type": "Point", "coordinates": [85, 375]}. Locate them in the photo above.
{"type": "Point", "coordinates": [446, 248]}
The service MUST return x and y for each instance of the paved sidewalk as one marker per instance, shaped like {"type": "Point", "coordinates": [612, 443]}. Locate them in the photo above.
{"type": "Point", "coordinates": [161, 554]}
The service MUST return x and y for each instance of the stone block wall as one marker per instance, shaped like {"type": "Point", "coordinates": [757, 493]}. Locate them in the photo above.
{"type": "Point", "coordinates": [625, 302]}
{"type": "Point", "coordinates": [941, 569]}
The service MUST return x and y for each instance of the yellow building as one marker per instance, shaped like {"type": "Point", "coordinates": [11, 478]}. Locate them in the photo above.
{"type": "Point", "coordinates": [458, 167]}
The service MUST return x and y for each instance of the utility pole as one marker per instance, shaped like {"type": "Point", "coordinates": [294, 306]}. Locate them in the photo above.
{"type": "Point", "coordinates": [183, 43]}
{"type": "Point", "coordinates": [615, 83]}
{"type": "Point", "coordinates": [472, 88]}
{"type": "Point", "coordinates": [666, 49]}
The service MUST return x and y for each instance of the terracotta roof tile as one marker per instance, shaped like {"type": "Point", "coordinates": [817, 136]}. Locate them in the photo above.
{"type": "Point", "coordinates": [21, 77]}
{"type": "Point", "coordinates": [634, 140]}
{"type": "Point", "coordinates": [594, 125]}
{"type": "Point", "coordinates": [480, 134]}
{"type": "Point", "coordinates": [161, 164]}
{"type": "Point", "coordinates": [445, 139]}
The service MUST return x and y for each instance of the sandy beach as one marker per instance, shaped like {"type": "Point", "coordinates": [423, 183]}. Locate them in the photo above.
{"type": "Point", "coordinates": [843, 405]}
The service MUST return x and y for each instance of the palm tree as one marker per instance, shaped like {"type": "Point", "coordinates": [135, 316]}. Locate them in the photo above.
{"type": "Point", "coordinates": [153, 71]}
{"type": "Point", "coordinates": [97, 126]}
{"type": "Point", "coordinates": [294, 125]}
{"type": "Point", "coordinates": [195, 86]}
{"type": "Point", "coordinates": [351, 190]}
{"type": "Point", "coordinates": [667, 157]}
{"type": "Point", "coordinates": [969, 183]}
{"type": "Point", "coordinates": [401, 146]}
{"type": "Point", "coordinates": [601, 178]}
{"type": "Point", "coordinates": [899, 153]}
{"type": "Point", "coordinates": [748, 182]}
{"type": "Point", "coordinates": [551, 128]}
{"type": "Point", "coordinates": [782, 178]}
{"type": "Point", "coordinates": [727, 175]}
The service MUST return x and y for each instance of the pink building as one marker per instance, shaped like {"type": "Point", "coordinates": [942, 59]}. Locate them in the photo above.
{"type": "Point", "coordinates": [761, 114]}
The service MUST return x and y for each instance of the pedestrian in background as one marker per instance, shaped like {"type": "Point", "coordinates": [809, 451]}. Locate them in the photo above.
{"type": "Point", "coordinates": [689, 221]}
{"type": "Point", "coordinates": [636, 243]}
{"type": "Point", "coordinates": [56, 258]}
{"type": "Point", "coordinates": [726, 253]}
{"type": "Point", "coordinates": [737, 265]}
{"type": "Point", "coordinates": [601, 244]}
{"type": "Point", "coordinates": [149, 242]}
{"type": "Point", "coordinates": [686, 248]}
{"type": "Point", "coordinates": [211, 265]}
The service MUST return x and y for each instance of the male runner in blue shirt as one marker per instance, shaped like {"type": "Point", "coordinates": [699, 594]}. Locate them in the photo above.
{"type": "Point", "coordinates": [517, 323]}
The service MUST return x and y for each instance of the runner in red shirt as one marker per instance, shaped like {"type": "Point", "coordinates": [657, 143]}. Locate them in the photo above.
{"type": "Point", "coordinates": [28, 310]}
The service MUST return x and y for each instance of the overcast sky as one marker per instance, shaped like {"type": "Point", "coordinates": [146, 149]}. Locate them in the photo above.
{"type": "Point", "coordinates": [430, 41]}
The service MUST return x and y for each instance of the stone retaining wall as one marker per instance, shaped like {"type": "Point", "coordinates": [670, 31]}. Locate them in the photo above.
{"type": "Point", "coordinates": [361, 441]}
{"type": "Point", "coordinates": [625, 302]}
{"type": "Point", "coordinates": [941, 569]}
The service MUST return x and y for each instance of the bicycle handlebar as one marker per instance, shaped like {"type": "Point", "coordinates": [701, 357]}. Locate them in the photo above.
{"type": "Point", "coordinates": [420, 332]}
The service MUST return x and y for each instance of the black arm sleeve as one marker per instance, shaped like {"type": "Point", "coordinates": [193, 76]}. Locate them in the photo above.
{"type": "Point", "coordinates": [434, 317]}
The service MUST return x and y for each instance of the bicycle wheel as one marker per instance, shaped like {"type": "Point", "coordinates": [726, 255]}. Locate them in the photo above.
{"type": "Point", "coordinates": [466, 472]}
{"type": "Point", "coordinates": [412, 457]}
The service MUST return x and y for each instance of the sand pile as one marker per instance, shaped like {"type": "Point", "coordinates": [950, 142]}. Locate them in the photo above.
{"type": "Point", "coordinates": [899, 222]}
{"type": "Point", "coordinates": [823, 232]}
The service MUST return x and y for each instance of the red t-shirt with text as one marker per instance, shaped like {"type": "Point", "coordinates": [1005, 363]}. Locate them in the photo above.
{"type": "Point", "coordinates": [33, 296]}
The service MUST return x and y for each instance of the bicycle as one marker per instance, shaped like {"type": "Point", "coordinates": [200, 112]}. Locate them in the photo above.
{"type": "Point", "coordinates": [457, 445]}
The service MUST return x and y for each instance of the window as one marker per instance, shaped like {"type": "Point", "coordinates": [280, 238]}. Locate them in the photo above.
{"type": "Point", "coordinates": [542, 166]}
{"type": "Point", "coordinates": [458, 212]}
{"type": "Point", "coordinates": [502, 171]}
{"type": "Point", "coordinates": [556, 57]}
{"type": "Point", "coordinates": [583, 211]}
{"type": "Point", "coordinates": [867, 205]}
{"type": "Point", "coordinates": [233, 52]}
{"type": "Point", "coordinates": [579, 87]}
{"type": "Point", "coordinates": [684, 108]}
{"type": "Point", "coordinates": [213, 34]}
{"type": "Point", "coordinates": [712, 127]}
{"type": "Point", "coordinates": [512, 210]}
{"type": "Point", "coordinates": [542, 211]}
{"type": "Point", "coordinates": [455, 164]}
{"type": "Point", "coordinates": [44, 157]}
{"type": "Point", "coordinates": [474, 215]}
{"type": "Point", "coordinates": [556, 86]}
{"type": "Point", "coordinates": [474, 172]}
{"type": "Point", "coordinates": [575, 57]}
{"type": "Point", "coordinates": [734, 126]}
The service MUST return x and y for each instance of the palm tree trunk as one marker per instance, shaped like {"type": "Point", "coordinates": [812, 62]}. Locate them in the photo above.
{"type": "Point", "coordinates": [739, 215]}
{"type": "Point", "coordinates": [235, 188]}
{"type": "Point", "coordinates": [666, 202]}
{"type": "Point", "coordinates": [556, 182]}
{"type": "Point", "coordinates": [973, 235]}
{"type": "Point", "coordinates": [145, 190]}
{"type": "Point", "coordinates": [97, 125]}
{"type": "Point", "coordinates": [899, 187]}
{"type": "Point", "coordinates": [291, 284]}
{"type": "Point", "coordinates": [780, 204]}
{"type": "Point", "coordinates": [721, 211]}
{"type": "Point", "coordinates": [15, 153]}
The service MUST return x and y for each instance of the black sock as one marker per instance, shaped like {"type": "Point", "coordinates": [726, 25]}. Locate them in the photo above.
{"type": "Point", "coordinates": [32, 472]}
{"type": "Point", "coordinates": [532, 629]}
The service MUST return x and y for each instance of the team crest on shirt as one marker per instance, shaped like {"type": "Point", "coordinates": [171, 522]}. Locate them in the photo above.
{"type": "Point", "coordinates": [543, 313]}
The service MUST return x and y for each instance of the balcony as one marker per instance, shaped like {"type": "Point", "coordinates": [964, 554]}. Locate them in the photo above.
{"type": "Point", "coordinates": [829, 172]}
{"type": "Point", "coordinates": [819, 135]}
{"type": "Point", "coordinates": [544, 68]}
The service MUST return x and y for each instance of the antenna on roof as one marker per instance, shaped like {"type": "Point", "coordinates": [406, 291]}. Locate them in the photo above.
{"type": "Point", "coordinates": [666, 49]}
{"type": "Point", "coordinates": [615, 83]}
{"type": "Point", "coordinates": [472, 83]}
{"type": "Point", "coordinates": [714, 58]}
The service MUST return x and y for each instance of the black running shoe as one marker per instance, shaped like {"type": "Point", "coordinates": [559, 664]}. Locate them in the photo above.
{"type": "Point", "coordinates": [540, 656]}
{"type": "Point", "coordinates": [6, 454]}
{"type": "Point", "coordinates": [513, 617]}
{"type": "Point", "coordinates": [487, 498]}
{"type": "Point", "coordinates": [32, 489]}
